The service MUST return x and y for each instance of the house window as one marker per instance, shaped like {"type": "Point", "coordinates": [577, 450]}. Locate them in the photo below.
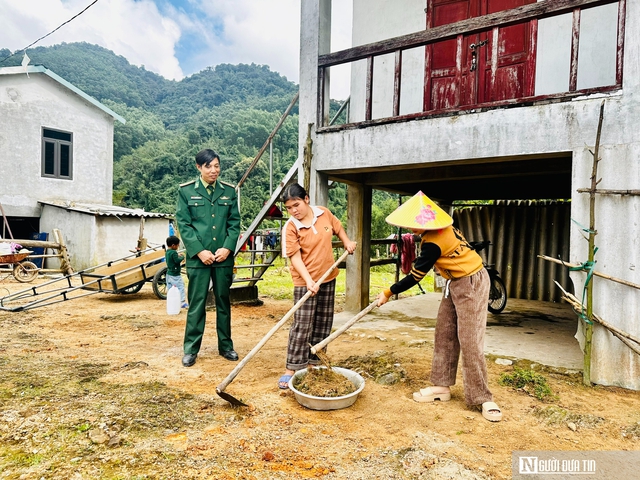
{"type": "Point", "coordinates": [57, 154]}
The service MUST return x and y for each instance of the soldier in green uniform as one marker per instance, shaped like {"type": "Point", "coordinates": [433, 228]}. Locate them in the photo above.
{"type": "Point", "coordinates": [209, 224]}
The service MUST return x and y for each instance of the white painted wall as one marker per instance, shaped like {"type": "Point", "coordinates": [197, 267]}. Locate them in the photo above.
{"type": "Point", "coordinates": [618, 242]}
{"type": "Point", "coordinates": [560, 127]}
{"type": "Point", "coordinates": [376, 20]}
{"type": "Point", "coordinates": [596, 53]}
{"type": "Point", "coordinates": [93, 240]}
{"type": "Point", "coordinates": [617, 221]}
{"type": "Point", "coordinates": [26, 105]}
{"type": "Point", "coordinates": [115, 237]}
{"type": "Point", "coordinates": [78, 232]}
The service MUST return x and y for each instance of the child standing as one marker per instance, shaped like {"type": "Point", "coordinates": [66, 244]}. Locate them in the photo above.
{"type": "Point", "coordinates": [174, 261]}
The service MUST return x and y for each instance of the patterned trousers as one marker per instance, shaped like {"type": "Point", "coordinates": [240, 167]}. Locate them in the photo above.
{"type": "Point", "coordinates": [460, 327]}
{"type": "Point", "coordinates": [312, 323]}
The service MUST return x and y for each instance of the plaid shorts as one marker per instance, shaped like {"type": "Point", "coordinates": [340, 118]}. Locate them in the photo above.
{"type": "Point", "coordinates": [312, 323]}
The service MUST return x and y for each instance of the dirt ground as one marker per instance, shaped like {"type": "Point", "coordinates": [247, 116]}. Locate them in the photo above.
{"type": "Point", "coordinates": [93, 388]}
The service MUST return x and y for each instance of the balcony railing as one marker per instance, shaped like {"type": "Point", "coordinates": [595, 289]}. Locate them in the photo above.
{"type": "Point", "coordinates": [486, 24]}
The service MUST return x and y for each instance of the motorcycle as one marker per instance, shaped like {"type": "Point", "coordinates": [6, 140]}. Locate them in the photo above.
{"type": "Point", "coordinates": [498, 291]}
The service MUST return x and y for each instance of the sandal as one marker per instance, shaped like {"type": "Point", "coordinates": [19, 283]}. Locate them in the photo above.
{"type": "Point", "coordinates": [283, 383]}
{"type": "Point", "coordinates": [491, 411]}
{"type": "Point", "coordinates": [427, 395]}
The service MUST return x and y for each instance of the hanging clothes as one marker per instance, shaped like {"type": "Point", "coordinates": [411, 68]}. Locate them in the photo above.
{"type": "Point", "coordinates": [393, 248]}
{"type": "Point", "coordinates": [408, 252]}
{"type": "Point", "coordinates": [271, 240]}
{"type": "Point", "coordinates": [258, 243]}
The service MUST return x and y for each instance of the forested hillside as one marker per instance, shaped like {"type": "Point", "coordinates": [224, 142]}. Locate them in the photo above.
{"type": "Point", "coordinates": [230, 108]}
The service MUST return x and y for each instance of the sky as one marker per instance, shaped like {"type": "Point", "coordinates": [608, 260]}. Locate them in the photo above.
{"type": "Point", "coordinates": [176, 38]}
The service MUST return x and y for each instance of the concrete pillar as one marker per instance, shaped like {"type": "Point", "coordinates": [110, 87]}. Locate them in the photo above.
{"type": "Point", "coordinates": [359, 230]}
{"type": "Point", "coordinates": [319, 188]}
{"type": "Point", "coordinates": [315, 40]}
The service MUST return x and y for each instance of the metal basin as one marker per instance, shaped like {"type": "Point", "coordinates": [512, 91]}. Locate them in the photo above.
{"type": "Point", "coordinates": [328, 403]}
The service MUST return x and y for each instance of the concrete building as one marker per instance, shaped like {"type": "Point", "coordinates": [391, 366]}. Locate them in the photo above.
{"type": "Point", "coordinates": [96, 234]}
{"type": "Point", "coordinates": [56, 164]}
{"type": "Point", "coordinates": [56, 142]}
{"type": "Point", "coordinates": [479, 99]}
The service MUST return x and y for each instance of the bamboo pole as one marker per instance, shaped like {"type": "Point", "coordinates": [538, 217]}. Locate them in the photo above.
{"type": "Point", "coordinates": [605, 191]}
{"type": "Point", "coordinates": [586, 375]}
{"type": "Point", "coordinates": [46, 245]}
{"type": "Point", "coordinates": [595, 273]}
{"type": "Point", "coordinates": [37, 243]}
{"type": "Point", "coordinates": [294, 100]}
{"type": "Point", "coordinates": [623, 336]}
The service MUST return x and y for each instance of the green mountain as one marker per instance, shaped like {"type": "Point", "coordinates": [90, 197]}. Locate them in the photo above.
{"type": "Point", "coordinates": [107, 76]}
{"type": "Point", "coordinates": [100, 73]}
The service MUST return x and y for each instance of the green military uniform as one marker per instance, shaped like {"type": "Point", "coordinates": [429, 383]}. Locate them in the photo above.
{"type": "Point", "coordinates": [208, 222]}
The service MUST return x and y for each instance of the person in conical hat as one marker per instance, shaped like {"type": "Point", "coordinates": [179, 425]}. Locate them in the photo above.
{"type": "Point", "coordinates": [420, 213]}
{"type": "Point", "coordinates": [462, 316]}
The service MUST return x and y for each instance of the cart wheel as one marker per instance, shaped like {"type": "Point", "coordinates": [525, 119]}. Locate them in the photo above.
{"type": "Point", "coordinates": [135, 288]}
{"type": "Point", "coordinates": [160, 283]}
{"type": "Point", "coordinates": [25, 271]}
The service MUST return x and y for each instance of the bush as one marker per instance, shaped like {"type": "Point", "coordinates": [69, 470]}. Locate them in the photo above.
{"type": "Point", "coordinates": [528, 381]}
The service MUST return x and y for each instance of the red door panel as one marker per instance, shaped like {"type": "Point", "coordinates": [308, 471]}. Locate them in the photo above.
{"type": "Point", "coordinates": [449, 81]}
{"type": "Point", "coordinates": [511, 76]}
{"type": "Point", "coordinates": [446, 82]}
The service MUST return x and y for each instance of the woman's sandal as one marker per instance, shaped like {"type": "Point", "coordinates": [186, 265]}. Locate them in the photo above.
{"type": "Point", "coordinates": [491, 411]}
{"type": "Point", "coordinates": [283, 383]}
{"type": "Point", "coordinates": [427, 395]}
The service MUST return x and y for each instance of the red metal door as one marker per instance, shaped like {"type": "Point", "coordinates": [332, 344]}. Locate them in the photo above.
{"type": "Point", "coordinates": [500, 70]}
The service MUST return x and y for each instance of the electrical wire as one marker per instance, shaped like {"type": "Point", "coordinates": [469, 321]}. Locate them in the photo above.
{"type": "Point", "coordinates": [52, 31]}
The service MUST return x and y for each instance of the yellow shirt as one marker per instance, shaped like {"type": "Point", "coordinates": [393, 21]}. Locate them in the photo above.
{"type": "Point", "coordinates": [444, 249]}
{"type": "Point", "coordinates": [458, 259]}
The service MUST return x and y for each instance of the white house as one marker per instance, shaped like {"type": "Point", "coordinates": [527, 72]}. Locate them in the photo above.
{"type": "Point", "coordinates": [56, 168]}
{"type": "Point", "coordinates": [56, 142]}
{"type": "Point", "coordinates": [483, 99]}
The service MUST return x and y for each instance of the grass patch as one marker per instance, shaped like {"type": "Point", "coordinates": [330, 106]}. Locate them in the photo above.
{"type": "Point", "coordinates": [529, 382]}
{"type": "Point", "coordinates": [22, 459]}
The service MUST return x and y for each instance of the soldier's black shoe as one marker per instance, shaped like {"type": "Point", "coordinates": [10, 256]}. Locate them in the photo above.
{"type": "Point", "coordinates": [189, 359]}
{"type": "Point", "coordinates": [230, 355]}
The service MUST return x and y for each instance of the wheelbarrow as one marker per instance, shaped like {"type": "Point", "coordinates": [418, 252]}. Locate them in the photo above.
{"type": "Point", "coordinates": [23, 270]}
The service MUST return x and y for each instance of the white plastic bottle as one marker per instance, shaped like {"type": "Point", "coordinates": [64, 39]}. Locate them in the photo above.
{"type": "Point", "coordinates": [173, 301]}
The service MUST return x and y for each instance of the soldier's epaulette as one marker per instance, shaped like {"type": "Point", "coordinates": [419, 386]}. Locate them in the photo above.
{"type": "Point", "coordinates": [228, 184]}
{"type": "Point", "coordinates": [187, 183]}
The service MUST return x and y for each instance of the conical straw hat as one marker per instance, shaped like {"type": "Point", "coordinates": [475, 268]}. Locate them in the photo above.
{"type": "Point", "coordinates": [421, 213]}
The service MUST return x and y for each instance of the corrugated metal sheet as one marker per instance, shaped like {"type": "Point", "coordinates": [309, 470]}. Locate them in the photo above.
{"type": "Point", "coordinates": [520, 231]}
{"type": "Point", "coordinates": [106, 210]}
